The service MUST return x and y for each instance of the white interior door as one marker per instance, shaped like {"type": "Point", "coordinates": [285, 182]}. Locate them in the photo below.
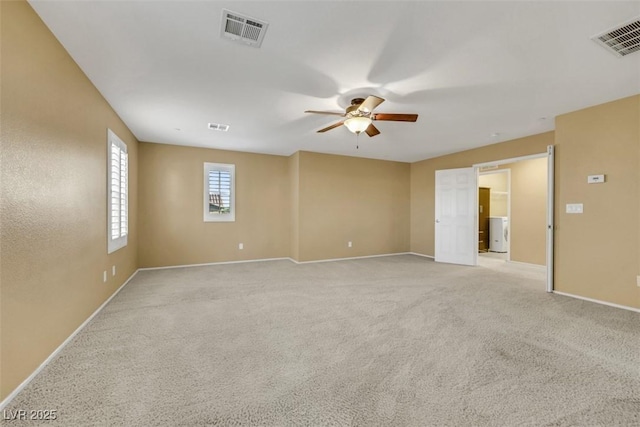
{"type": "Point", "coordinates": [456, 230]}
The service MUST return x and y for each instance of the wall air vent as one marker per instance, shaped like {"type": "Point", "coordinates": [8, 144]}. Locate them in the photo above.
{"type": "Point", "coordinates": [242, 29]}
{"type": "Point", "coordinates": [488, 168]}
{"type": "Point", "coordinates": [621, 40]}
{"type": "Point", "coordinates": [218, 126]}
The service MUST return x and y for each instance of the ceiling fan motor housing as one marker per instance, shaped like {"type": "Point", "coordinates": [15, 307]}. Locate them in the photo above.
{"type": "Point", "coordinates": [352, 110]}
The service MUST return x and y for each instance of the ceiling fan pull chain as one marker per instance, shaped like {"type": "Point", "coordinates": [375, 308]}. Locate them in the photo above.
{"type": "Point", "coordinates": [357, 141]}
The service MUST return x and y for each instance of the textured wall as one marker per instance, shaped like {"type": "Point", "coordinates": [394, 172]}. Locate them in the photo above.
{"type": "Point", "coordinates": [172, 231]}
{"type": "Point", "coordinates": [306, 206]}
{"type": "Point", "coordinates": [497, 182]}
{"type": "Point", "coordinates": [529, 211]}
{"type": "Point", "coordinates": [345, 199]}
{"type": "Point", "coordinates": [294, 187]}
{"type": "Point", "coordinates": [597, 251]}
{"type": "Point", "coordinates": [53, 197]}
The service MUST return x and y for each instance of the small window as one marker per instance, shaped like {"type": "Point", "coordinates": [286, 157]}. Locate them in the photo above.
{"type": "Point", "coordinates": [219, 192]}
{"type": "Point", "coordinates": [117, 193]}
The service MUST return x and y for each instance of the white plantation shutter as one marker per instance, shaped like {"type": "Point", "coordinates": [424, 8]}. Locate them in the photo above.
{"type": "Point", "coordinates": [118, 193]}
{"type": "Point", "coordinates": [220, 184]}
{"type": "Point", "coordinates": [219, 188]}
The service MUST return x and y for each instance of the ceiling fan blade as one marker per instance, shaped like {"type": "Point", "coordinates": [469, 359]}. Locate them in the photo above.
{"type": "Point", "coordinates": [395, 117]}
{"type": "Point", "coordinates": [333, 126]}
{"type": "Point", "coordinates": [372, 130]}
{"type": "Point", "coordinates": [370, 103]}
{"type": "Point", "coordinates": [333, 113]}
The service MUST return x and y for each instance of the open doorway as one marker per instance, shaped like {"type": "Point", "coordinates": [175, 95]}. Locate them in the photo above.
{"type": "Point", "coordinates": [493, 212]}
{"type": "Point", "coordinates": [520, 195]}
{"type": "Point", "coordinates": [456, 214]}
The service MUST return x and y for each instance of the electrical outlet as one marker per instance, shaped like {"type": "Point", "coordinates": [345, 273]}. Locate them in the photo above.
{"type": "Point", "coordinates": [104, 276]}
{"type": "Point", "coordinates": [113, 270]}
{"type": "Point", "coordinates": [349, 244]}
{"type": "Point", "coordinates": [241, 246]}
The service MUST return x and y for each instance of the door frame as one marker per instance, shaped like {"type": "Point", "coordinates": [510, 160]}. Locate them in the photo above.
{"type": "Point", "coordinates": [550, 155]}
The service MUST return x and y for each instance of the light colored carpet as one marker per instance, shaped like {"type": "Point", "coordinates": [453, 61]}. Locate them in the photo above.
{"type": "Point", "coordinates": [495, 255]}
{"type": "Point", "coordinates": [390, 341]}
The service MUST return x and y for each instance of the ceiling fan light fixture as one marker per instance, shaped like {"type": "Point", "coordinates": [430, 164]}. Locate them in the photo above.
{"type": "Point", "coordinates": [359, 116]}
{"type": "Point", "coordinates": [357, 124]}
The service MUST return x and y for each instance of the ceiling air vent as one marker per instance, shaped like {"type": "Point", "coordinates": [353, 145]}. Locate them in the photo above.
{"type": "Point", "coordinates": [242, 29]}
{"type": "Point", "coordinates": [621, 40]}
{"type": "Point", "coordinates": [218, 126]}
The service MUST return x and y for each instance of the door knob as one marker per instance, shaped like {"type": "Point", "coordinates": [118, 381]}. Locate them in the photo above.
{"type": "Point", "coordinates": [437, 220]}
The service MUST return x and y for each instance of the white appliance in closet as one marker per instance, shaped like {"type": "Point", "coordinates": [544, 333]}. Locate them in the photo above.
{"type": "Point", "coordinates": [498, 234]}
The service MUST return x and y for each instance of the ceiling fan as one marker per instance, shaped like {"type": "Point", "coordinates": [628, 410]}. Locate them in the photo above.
{"type": "Point", "coordinates": [359, 116]}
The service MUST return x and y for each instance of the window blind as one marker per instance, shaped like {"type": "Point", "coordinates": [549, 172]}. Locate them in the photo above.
{"type": "Point", "coordinates": [219, 191]}
{"type": "Point", "coordinates": [118, 199]}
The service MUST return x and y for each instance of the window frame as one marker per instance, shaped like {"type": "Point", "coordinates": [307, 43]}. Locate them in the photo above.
{"type": "Point", "coordinates": [217, 217]}
{"type": "Point", "coordinates": [113, 244]}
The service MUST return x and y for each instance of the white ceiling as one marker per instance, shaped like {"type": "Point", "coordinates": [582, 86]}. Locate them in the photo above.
{"type": "Point", "coordinates": [469, 69]}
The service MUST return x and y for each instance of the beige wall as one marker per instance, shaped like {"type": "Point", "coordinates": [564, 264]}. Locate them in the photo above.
{"type": "Point", "coordinates": [423, 181]}
{"type": "Point", "coordinates": [53, 197]}
{"type": "Point", "coordinates": [172, 230]}
{"type": "Point", "coordinates": [528, 219]}
{"type": "Point", "coordinates": [294, 187]}
{"type": "Point", "coordinates": [308, 208]}
{"type": "Point", "coordinates": [497, 182]}
{"type": "Point", "coordinates": [345, 199]}
{"type": "Point", "coordinates": [597, 252]}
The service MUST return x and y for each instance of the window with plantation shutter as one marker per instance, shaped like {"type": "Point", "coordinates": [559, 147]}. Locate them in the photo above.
{"type": "Point", "coordinates": [117, 193]}
{"type": "Point", "coordinates": [219, 192]}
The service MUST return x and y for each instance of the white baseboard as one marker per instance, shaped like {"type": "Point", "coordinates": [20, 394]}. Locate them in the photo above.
{"type": "Point", "coordinates": [597, 301]}
{"type": "Point", "coordinates": [215, 263]}
{"type": "Point", "coordinates": [345, 259]}
{"type": "Point", "coordinates": [422, 255]}
{"type": "Point", "coordinates": [52, 356]}
{"type": "Point", "coordinates": [278, 259]}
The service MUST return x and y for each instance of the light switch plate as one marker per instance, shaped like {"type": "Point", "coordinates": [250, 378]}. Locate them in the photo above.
{"type": "Point", "coordinates": [595, 179]}
{"type": "Point", "coordinates": [574, 208]}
